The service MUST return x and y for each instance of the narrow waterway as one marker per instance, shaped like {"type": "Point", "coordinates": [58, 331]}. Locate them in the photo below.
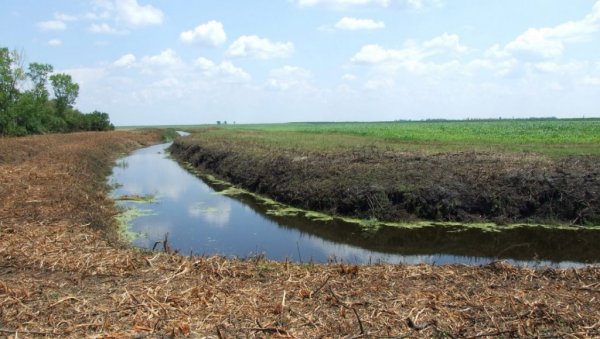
{"type": "Point", "coordinates": [197, 219]}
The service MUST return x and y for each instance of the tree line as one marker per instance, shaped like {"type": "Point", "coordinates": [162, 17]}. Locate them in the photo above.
{"type": "Point", "coordinates": [26, 106]}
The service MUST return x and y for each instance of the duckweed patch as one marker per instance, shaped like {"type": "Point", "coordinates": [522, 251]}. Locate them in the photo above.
{"type": "Point", "coordinates": [125, 218]}
{"type": "Point", "coordinates": [150, 198]}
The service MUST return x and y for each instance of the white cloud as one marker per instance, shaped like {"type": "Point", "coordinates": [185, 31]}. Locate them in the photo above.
{"type": "Point", "coordinates": [135, 14]}
{"type": "Point", "coordinates": [342, 3]}
{"type": "Point", "coordinates": [85, 75]}
{"type": "Point", "coordinates": [348, 77]}
{"type": "Point", "coordinates": [348, 23]}
{"type": "Point", "coordinates": [105, 28]}
{"type": "Point", "coordinates": [591, 81]}
{"type": "Point", "coordinates": [166, 58]}
{"type": "Point", "coordinates": [52, 25]}
{"type": "Point", "coordinates": [123, 13]}
{"type": "Point", "coordinates": [225, 70]}
{"type": "Point", "coordinates": [379, 84]}
{"type": "Point", "coordinates": [126, 60]}
{"type": "Point", "coordinates": [65, 17]}
{"type": "Point", "coordinates": [549, 42]}
{"type": "Point", "coordinates": [260, 48]}
{"type": "Point", "coordinates": [446, 41]}
{"type": "Point", "coordinates": [412, 56]}
{"type": "Point", "coordinates": [345, 4]}
{"type": "Point", "coordinates": [54, 42]}
{"type": "Point", "coordinates": [373, 53]}
{"type": "Point", "coordinates": [288, 77]}
{"type": "Point", "coordinates": [211, 33]}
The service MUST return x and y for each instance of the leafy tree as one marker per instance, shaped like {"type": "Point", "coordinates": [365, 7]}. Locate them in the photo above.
{"type": "Point", "coordinates": [65, 91]}
{"type": "Point", "coordinates": [98, 121]}
{"type": "Point", "coordinates": [38, 74]}
{"type": "Point", "coordinates": [10, 74]}
{"type": "Point", "coordinates": [31, 111]}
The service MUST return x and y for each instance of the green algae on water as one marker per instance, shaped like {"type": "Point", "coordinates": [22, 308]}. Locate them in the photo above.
{"type": "Point", "coordinates": [124, 221]}
{"type": "Point", "coordinates": [150, 198]}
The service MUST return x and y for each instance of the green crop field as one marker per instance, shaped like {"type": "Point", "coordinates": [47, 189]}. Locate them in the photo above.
{"type": "Point", "coordinates": [548, 136]}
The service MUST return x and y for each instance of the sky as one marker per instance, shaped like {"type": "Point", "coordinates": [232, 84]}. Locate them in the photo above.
{"type": "Point", "coordinates": [157, 62]}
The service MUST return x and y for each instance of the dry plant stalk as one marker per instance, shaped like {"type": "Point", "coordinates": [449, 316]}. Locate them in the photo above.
{"type": "Point", "coordinates": [63, 274]}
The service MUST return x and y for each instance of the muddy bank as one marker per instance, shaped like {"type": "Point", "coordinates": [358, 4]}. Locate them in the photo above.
{"type": "Point", "coordinates": [374, 183]}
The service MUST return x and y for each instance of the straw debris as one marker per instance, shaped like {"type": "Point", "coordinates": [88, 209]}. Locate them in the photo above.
{"type": "Point", "coordinates": [64, 273]}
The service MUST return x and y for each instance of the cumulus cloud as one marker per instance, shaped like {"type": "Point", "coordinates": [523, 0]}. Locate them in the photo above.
{"type": "Point", "coordinates": [345, 4]}
{"type": "Point", "coordinates": [121, 14]}
{"type": "Point", "coordinates": [591, 81]}
{"type": "Point", "coordinates": [65, 17]}
{"type": "Point", "coordinates": [166, 58]}
{"type": "Point", "coordinates": [135, 14]}
{"type": "Point", "coordinates": [126, 60]}
{"type": "Point", "coordinates": [288, 77]}
{"type": "Point", "coordinates": [259, 48]}
{"type": "Point", "coordinates": [348, 23]}
{"type": "Point", "coordinates": [211, 33]}
{"type": "Point", "coordinates": [348, 77]}
{"type": "Point", "coordinates": [52, 25]}
{"type": "Point", "coordinates": [225, 70]}
{"type": "Point", "coordinates": [105, 28]}
{"type": "Point", "coordinates": [446, 41]}
{"type": "Point", "coordinates": [550, 42]}
{"type": "Point", "coordinates": [85, 75]}
{"type": "Point", "coordinates": [412, 56]}
{"type": "Point", "coordinates": [54, 42]}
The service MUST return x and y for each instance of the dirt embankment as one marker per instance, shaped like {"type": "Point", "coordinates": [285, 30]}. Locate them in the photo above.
{"type": "Point", "coordinates": [61, 277]}
{"type": "Point", "coordinates": [372, 183]}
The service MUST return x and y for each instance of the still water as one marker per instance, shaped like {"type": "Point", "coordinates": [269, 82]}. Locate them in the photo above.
{"type": "Point", "coordinates": [199, 220]}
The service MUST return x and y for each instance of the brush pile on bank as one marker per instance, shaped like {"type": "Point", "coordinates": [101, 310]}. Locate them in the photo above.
{"type": "Point", "coordinates": [391, 186]}
{"type": "Point", "coordinates": [61, 276]}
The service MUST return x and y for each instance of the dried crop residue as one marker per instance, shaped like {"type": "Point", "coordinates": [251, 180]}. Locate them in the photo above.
{"type": "Point", "coordinates": [61, 276]}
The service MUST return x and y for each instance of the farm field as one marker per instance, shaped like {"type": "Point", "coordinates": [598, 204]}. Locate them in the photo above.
{"type": "Point", "coordinates": [545, 136]}
{"type": "Point", "coordinates": [517, 171]}
{"type": "Point", "coordinates": [63, 273]}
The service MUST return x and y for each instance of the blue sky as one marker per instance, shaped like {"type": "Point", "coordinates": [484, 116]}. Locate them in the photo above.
{"type": "Point", "coordinates": [186, 62]}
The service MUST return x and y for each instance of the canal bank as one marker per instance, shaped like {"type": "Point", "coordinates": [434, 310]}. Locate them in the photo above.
{"type": "Point", "coordinates": [198, 214]}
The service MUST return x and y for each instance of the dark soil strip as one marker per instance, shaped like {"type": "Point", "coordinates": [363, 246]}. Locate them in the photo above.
{"type": "Point", "coordinates": [392, 186]}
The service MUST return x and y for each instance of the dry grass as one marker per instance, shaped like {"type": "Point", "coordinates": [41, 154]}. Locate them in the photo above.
{"type": "Point", "coordinates": [59, 276]}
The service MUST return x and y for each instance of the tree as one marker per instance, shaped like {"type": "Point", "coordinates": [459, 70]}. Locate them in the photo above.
{"type": "Point", "coordinates": [65, 91]}
{"type": "Point", "coordinates": [38, 74]}
{"type": "Point", "coordinates": [11, 73]}
{"type": "Point", "coordinates": [30, 111]}
{"type": "Point", "coordinates": [99, 121]}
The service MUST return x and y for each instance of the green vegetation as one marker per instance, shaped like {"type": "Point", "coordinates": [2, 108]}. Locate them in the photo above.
{"type": "Point", "coordinates": [125, 218]}
{"type": "Point", "coordinates": [547, 136]}
{"type": "Point", "coordinates": [168, 134]}
{"type": "Point", "coordinates": [31, 111]}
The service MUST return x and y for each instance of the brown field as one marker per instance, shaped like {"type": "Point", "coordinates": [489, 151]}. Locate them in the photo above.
{"type": "Point", "coordinates": [63, 273]}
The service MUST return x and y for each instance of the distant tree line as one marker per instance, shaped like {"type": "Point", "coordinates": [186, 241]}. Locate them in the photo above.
{"type": "Point", "coordinates": [27, 108]}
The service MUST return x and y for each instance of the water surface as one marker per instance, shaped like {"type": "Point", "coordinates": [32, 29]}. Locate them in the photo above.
{"type": "Point", "coordinates": [201, 221]}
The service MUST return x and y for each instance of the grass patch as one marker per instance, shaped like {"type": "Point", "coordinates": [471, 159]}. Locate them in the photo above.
{"type": "Point", "coordinates": [551, 137]}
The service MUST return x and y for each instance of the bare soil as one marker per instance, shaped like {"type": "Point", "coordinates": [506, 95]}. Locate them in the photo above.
{"type": "Point", "coordinates": [402, 186]}
{"type": "Point", "coordinates": [61, 276]}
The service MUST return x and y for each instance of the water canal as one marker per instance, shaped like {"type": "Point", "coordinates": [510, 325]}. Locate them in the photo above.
{"type": "Point", "coordinates": [162, 199]}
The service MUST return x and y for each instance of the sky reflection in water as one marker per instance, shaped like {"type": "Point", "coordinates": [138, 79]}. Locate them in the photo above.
{"type": "Point", "coordinates": [201, 221]}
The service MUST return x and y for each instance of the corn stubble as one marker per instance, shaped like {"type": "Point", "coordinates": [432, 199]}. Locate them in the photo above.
{"type": "Point", "coordinates": [63, 274]}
